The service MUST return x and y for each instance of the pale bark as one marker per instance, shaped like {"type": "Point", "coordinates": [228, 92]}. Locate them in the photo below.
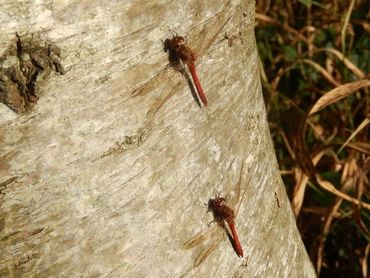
{"type": "Point", "coordinates": [96, 182]}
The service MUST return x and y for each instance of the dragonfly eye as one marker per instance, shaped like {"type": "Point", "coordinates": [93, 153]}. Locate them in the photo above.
{"type": "Point", "coordinates": [179, 40]}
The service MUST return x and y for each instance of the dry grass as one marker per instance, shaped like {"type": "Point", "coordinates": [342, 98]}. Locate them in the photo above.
{"type": "Point", "coordinates": [316, 82]}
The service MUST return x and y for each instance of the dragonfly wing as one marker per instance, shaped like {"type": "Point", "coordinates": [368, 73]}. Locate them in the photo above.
{"type": "Point", "coordinates": [206, 252]}
{"type": "Point", "coordinates": [158, 103]}
{"type": "Point", "coordinates": [215, 235]}
{"type": "Point", "coordinates": [167, 73]}
{"type": "Point", "coordinates": [235, 199]}
{"type": "Point", "coordinates": [200, 237]}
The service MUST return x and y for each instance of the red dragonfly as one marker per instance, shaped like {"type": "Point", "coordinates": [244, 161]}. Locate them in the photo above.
{"type": "Point", "coordinates": [178, 48]}
{"type": "Point", "coordinates": [222, 213]}
{"type": "Point", "coordinates": [206, 37]}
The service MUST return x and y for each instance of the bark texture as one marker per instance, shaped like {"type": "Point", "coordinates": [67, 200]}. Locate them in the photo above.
{"type": "Point", "coordinates": [107, 175]}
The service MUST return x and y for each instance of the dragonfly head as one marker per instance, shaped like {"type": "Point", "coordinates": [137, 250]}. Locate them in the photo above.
{"type": "Point", "coordinates": [216, 203]}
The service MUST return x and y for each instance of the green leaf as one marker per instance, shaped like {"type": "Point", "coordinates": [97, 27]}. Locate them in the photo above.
{"type": "Point", "coordinates": [290, 53]}
{"type": "Point", "coordinates": [306, 2]}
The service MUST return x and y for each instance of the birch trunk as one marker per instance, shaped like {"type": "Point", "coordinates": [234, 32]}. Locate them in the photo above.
{"type": "Point", "coordinates": [108, 174]}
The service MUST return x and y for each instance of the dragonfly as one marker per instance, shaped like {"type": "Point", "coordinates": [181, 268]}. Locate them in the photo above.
{"type": "Point", "coordinates": [180, 51]}
{"type": "Point", "coordinates": [206, 37]}
{"type": "Point", "coordinates": [222, 213]}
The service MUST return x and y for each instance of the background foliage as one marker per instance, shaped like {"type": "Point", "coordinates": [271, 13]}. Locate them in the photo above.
{"type": "Point", "coordinates": [315, 58]}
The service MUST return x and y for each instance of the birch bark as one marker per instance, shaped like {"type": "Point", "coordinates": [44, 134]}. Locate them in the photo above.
{"type": "Point", "coordinates": [108, 174]}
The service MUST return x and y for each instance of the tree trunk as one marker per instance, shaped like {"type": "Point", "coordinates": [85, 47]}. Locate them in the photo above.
{"type": "Point", "coordinates": [108, 174]}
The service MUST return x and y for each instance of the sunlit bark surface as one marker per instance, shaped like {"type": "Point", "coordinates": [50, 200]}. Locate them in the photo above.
{"type": "Point", "coordinates": [108, 174]}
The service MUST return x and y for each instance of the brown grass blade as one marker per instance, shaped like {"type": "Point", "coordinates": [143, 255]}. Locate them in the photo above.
{"type": "Point", "coordinates": [356, 71]}
{"type": "Point", "coordinates": [364, 261]}
{"type": "Point", "coordinates": [363, 147]}
{"type": "Point", "coordinates": [269, 19]}
{"type": "Point", "coordinates": [360, 185]}
{"type": "Point", "coordinates": [345, 23]}
{"type": "Point", "coordinates": [301, 184]}
{"type": "Point", "coordinates": [349, 173]}
{"type": "Point", "coordinates": [364, 123]}
{"type": "Point", "coordinates": [324, 233]}
{"type": "Point", "coordinates": [331, 188]}
{"type": "Point", "coordinates": [337, 94]}
{"type": "Point", "coordinates": [323, 72]}
{"type": "Point", "coordinates": [303, 157]}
